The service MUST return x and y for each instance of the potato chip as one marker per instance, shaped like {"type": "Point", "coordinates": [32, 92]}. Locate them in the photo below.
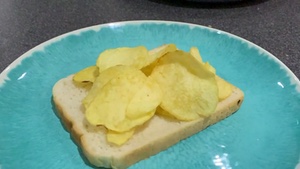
{"type": "Point", "coordinates": [125, 101]}
{"type": "Point", "coordinates": [225, 89]}
{"type": "Point", "coordinates": [154, 55]}
{"type": "Point", "coordinates": [190, 63]}
{"type": "Point", "coordinates": [210, 67]}
{"type": "Point", "coordinates": [128, 124]}
{"type": "Point", "coordinates": [165, 114]}
{"type": "Point", "coordinates": [135, 57]}
{"type": "Point", "coordinates": [105, 77]}
{"type": "Point", "coordinates": [196, 54]}
{"type": "Point", "coordinates": [189, 89]}
{"type": "Point", "coordinates": [86, 75]}
{"type": "Point", "coordinates": [110, 103]}
{"type": "Point", "coordinates": [119, 138]}
{"type": "Point", "coordinates": [144, 100]}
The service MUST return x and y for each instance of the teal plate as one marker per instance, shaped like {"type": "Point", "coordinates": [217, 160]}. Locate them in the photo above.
{"type": "Point", "coordinates": [264, 133]}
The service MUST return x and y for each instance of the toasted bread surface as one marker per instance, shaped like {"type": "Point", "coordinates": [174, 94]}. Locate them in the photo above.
{"type": "Point", "coordinates": [147, 141]}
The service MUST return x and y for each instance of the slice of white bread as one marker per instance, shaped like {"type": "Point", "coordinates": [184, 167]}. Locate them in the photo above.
{"type": "Point", "coordinates": [156, 135]}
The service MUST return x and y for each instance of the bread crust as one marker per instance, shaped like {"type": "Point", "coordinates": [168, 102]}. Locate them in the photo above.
{"type": "Point", "coordinates": [92, 139]}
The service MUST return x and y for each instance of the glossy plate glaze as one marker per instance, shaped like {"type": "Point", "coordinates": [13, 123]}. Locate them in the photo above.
{"type": "Point", "coordinates": [264, 133]}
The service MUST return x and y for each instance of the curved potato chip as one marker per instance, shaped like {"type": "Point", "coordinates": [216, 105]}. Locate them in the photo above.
{"type": "Point", "coordinates": [154, 55]}
{"type": "Point", "coordinates": [86, 75]}
{"type": "Point", "coordinates": [125, 101]}
{"type": "Point", "coordinates": [109, 106]}
{"type": "Point", "coordinates": [190, 63]}
{"type": "Point", "coordinates": [196, 54]}
{"type": "Point", "coordinates": [189, 89]}
{"type": "Point", "coordinates": [135, 57]}
{"type": "Point", "coordinates": [103, 78]}
{"type": "Point", "coordinates": [161, 112]}
{"type": "Point", "coordinates": [225, 89]}
{"type": "Point", "coordinates": [145, 100]}
{"type": "Point", "coordinates": [119, 138]}
{"type": "Point", "coordinates": [210, 68]}
{"type": "Point", "coordinates": [128, 124]}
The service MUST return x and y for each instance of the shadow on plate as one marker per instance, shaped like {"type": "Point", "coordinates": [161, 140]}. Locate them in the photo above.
{"type": "Point", "coordinates": [212, 4]}
{"type": "Point", "coordinates": [67, 129]}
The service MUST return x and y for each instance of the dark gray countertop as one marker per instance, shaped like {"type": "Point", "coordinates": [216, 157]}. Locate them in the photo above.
{"type": "Point", "coordinates": [272, 24]}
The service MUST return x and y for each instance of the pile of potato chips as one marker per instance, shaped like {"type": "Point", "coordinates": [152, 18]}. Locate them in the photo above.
{"type": "Point", "coordinates": [130, 85]}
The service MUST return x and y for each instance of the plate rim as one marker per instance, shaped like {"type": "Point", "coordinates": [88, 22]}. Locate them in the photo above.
{"type": "Point", "coordinates": [40, 47]}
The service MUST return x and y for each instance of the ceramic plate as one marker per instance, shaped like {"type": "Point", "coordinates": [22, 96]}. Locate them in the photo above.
{"type": "Point", "coordinates": [264, 133]}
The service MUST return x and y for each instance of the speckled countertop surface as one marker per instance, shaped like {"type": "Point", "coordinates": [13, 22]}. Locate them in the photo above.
{"type": "Point", "coordinates": [272, 24]}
